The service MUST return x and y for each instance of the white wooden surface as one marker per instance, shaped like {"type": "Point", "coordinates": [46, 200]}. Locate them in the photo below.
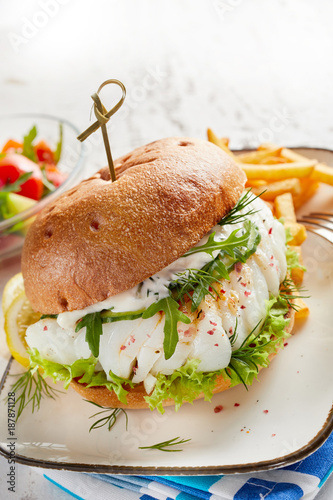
{"type": "Point", "coordinates": [251, 70]}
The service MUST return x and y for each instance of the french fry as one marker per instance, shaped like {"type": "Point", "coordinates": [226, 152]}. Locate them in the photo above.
{"type": "Point", "coordinates": [297, 273]}
{"type": "Point", "coordinates": [259, 157]}
{"type": "Point", "coordinates": [284, 207]}
{"type": "Point", "coordinates": [322, 173]}
{"type": "Point", "coordinates": [271, 191]}
{"type": "Point", "coordinates": [308, 189]}
{"type": "Point", "coordinates": [297, 231]}
{"type": "Point", "coordinates": [302, 310]}
{"type": "Point", "coordinates": [279, 172]}
{"type": "Point", "coordinates": [255, 183]}
{"type": "Point", "coordinates": [219, 142]}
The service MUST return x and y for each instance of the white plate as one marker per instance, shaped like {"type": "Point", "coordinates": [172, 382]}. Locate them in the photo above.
{"type": "Point", "coordinates": [280, 420]}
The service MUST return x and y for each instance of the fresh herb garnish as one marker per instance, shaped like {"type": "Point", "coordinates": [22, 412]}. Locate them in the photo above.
{"type": "Point", "coordinates": [289, 291]}
{"type": "Point", "coordinates": [197, 283]}
{"type": "Point", "coordinates": [172, 315]}
{"type": "Point", "coordinates": [31, 388]}
{"type": "Point", "coordinates": [48, 186]}
{"type": "Point", "coordinates": [166, 444]}
{"type": "Point", "coordinates": [94, 329]}
{"type": "Point", "coordinates": [248, 233]}
{"type": "Point", "coordinates": [28, 149]}
{"type": "Point", "coordinates": [15, 186]}
{"type": "Point", "coordinates": [108, 420]}
{"type": "Point", "coordinates": [57, 152]}
{"type": "Point", "coordinates": [234, 216]}
{"type": "Point", "coordinates": [44, 316]}
{"type": "Point", "coordinates": [108, 316]}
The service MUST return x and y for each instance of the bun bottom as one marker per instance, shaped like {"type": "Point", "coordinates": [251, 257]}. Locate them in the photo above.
{"type": "Point", "coordinates": [136, 395]}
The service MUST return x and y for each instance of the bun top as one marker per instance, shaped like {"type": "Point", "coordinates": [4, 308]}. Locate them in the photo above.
{"type": "Point", "coordinates": [101, 238]}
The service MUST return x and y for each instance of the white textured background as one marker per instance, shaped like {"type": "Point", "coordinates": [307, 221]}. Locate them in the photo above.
{"type": "Point", "coordinates": [254, 70]}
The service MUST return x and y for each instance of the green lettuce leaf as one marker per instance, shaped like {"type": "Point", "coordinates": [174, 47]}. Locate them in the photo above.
{"type": "Point", "coordinates": [84, 370]}
{"type": "Point", "coordinates": [293, 260]}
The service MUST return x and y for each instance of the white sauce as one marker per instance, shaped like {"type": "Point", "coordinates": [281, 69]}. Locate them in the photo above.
{"type": "Point", "coordinates": [136, 346]}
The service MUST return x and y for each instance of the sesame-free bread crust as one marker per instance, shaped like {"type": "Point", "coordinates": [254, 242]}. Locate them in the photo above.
{"type": "Point", "coordinates": [101, 238]}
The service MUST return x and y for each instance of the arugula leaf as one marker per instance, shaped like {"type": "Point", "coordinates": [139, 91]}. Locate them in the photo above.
{"type": "Point", "coordinates": [197, 283]}
{"type": "Point", "coordinates": [172, 316]}
{"type": "Point", "coordinates": [15, 186]}
{"type": "Point", "coordinates": [93, 324]}
{"type": "Point", "coordinates": [28, 149]}
{"type": "Point", "coordinates": [233, 241]}
{"type": "Point", "coordinates": [57, 152]}
{"type": "Point", "coordinates": [48, 186]}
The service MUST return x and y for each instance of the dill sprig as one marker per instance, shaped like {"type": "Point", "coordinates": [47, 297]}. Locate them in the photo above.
{"type": "Point", "coordinates": [234, 216]}
{"type": "Point", "coordinates": [108, 420]}
{"type": "Point", "coordinates": [31, 387]}
{"type": "Point", "coordinates": [289, 292]}
{"type": "Point", "coordinates": [165, 444]}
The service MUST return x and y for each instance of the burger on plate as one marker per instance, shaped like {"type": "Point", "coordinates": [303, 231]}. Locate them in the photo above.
{"type": "Point", "coordinates": [160, 288]}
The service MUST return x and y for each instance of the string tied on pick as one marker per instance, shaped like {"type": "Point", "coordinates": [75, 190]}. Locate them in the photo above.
{"type": "Point", "coordinates": [103, 116]}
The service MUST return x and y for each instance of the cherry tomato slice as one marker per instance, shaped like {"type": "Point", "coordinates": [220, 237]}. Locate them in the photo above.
{"type": "Point", "coordinates": [12, 166]}
{"type": "Point", "coordinates": [44, 152]}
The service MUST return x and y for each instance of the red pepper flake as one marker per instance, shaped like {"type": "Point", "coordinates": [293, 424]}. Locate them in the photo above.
{"type": "Point", "coordinates": [217, 409]}
{"type": "Point", "coordinates": [272, 257]}
{"type": "Point", "coordinates": [243, 307]}
{"type": "Point", "coordinates": [265, 411]}
{"type": "Point", "coordinates": [285, 344]}
{"type": "Point", "coordinates": [211, 332]}
{"type": "Point", "coordinates": [187, 333]}
{"type": "Point", "coordinates": [271, 264]}
{"type": "Point", "coordinates": [238, 267]}
{"type": "Point", "coordinates": [273, 435]}
{"type": "Point", "coordinates": [297, 371]}
{"type": "Point", "coordinates": [45, 328]}
{"type": "Point", "coordinates": [241, 430]}
{"type": "Point", "coordinates": [230, 331]}
{"type": "Point", "coordinates": [216, 345]}
{"type": "Point", "coordinates": [122, 347]}
{"type": "Point", "coordinates": [212, 323]}
{"type": "Point", "coordinates": [270, 230]}
{"type": "Point", "coordinates": [243, 284]}
{"type": "Point", "coordinates": [236, 404]}
{"type": "Point", "coordinates": [247, 293]}
{"type": "Point", "coordinates": [210, 289]}
{"type": "Point", "coordinates": [222, 291]}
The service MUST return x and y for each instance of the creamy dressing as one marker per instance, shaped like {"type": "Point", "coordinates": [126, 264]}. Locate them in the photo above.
{"type": "Point", "coordinates": [135, 347]}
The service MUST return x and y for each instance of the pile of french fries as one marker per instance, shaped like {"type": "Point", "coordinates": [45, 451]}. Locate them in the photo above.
{"type": "Point", "coordinates": [285, 180]}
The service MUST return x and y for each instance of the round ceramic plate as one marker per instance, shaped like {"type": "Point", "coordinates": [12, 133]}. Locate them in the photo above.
{"type": "Point", "coordinates": [283, 417]}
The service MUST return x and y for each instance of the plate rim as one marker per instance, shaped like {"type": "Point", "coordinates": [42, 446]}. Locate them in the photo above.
{"type": "Point", "coordinates": [265, 465]}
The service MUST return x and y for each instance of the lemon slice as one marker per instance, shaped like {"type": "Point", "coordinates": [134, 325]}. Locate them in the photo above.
{"type": "Point", "coordinates": [13, 288]}
{"type": "Point", "coordinates": [18, 316]}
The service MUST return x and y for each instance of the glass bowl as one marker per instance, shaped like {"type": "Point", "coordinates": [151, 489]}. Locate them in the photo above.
{"type": "Point", "coordinates": [14, 229]}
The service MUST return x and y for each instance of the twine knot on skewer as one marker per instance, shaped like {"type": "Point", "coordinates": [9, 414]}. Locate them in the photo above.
{"type": "Point", "coordinates": [103, 117]}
